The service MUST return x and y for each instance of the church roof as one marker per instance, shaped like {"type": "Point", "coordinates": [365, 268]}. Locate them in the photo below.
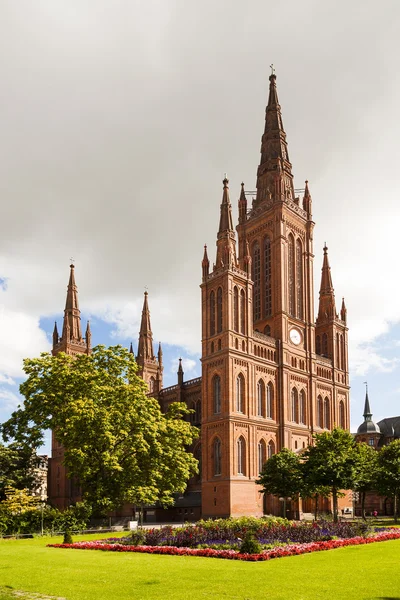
{"type": "Point", "coordinates": [390, 426]}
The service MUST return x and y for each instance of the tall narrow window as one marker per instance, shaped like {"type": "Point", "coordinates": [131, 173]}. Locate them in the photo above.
{"type": "Point", "coordinates": [318, 344]}
{"type": "Point", "coordinates": [219, 310]}
{"type": "Point", "coordinates": [240, 393]}
{"type": "Point", "coordinates": [299, 280]}
{"type": "Point", "coordinates": [295, 406]}
{"type": "Point", "coordinates": [241, 456]}
{"type": "Point", "coordinates": [242, 312]}
{"type": "Point", "coordinates": [261, 398]}
{"type": "Point", "coordinates": [291, 275]}
{"type": "Point", "coordinates": [338, 351]}
{"type": "Point", "coordinates": [262, 455]}
{"type": "Point", "coordinates": [342, 421]}
{"type": "Point", "coordinates": [325, 344]}
{"type": "Point", "coordinates": [256, 264]}
{"type": "Point", "coordinates": [212, 313]}
{"type": "Point", "coordinates": [235, 309]}
{"type": "Point", "coordinates": [343, 353]}
{"type": "Point", "coordinates": [270, 401]}
{"type": "Point", "coordinates": [267, 278]}
{"type": "Point", "coordinates": [217, 393]}
{"type": "Point", "coordinates": [217, 457]}
{"type": "Point", "coordinates": [302, 407]}
{"type": "Point", "coordinates": [151, 384]}
{"type": "Point", "coordinates": [327, 414]}
{"type": "Point", "coordinates": [271, 449]}
{"type": "Point", "coordinates": [320, 412]}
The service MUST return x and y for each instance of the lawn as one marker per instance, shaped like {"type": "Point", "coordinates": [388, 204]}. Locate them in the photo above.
{"type": "Point", "coordinates": [357, 572]}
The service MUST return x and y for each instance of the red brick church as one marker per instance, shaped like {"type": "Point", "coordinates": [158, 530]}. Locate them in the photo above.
{"type": "Point", "coordinates": [272, 374]}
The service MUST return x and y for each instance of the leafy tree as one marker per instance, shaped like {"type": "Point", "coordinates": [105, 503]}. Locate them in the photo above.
{"type": "Point", "coordinates": [281, 476]}
{"type": "Point", "coordinates": [388, 480]}
{"type": "Point", "coordinates": [118, 443]}
{"type": "Point", "coordinates": [366, 476]}
{"type": "Point", "coordinates": [331, 463]}
{"type": "Point", "coordinates": [17, 468]}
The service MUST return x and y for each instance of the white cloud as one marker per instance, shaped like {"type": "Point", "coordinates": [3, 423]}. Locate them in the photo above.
{"type": "Point", "coordinates": [9, 401]}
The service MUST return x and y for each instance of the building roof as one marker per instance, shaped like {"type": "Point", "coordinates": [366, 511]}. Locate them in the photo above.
{"type": "Point", "coordinates": [390, 426]}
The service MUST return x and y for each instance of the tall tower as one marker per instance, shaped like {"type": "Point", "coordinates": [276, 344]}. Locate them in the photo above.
{"type": "Point", "coordinates": [150, 367]}
{"type": "Point", "coordinates": [265, 385]}
{"type": "Point", "coordinates": [64, 491]}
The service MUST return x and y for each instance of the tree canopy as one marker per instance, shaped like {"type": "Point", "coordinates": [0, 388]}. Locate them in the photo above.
{"type": "Point", "coordinates": [17, 468]}
{"type": "Point", "coordinates": [388, 481]}
{"type": "Point", "coordinates": [281, 475]}
{"type": "Point", "coordinates": [118, 443]}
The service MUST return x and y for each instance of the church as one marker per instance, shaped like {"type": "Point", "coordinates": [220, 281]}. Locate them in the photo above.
{"type": "Point", "coordinates": [272, 374]}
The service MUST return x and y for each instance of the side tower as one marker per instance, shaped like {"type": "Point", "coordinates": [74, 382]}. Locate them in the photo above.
{"type": "Point", "coordinates": [62, 490]}
{"type": "Point", "coordinates": [150, 367]}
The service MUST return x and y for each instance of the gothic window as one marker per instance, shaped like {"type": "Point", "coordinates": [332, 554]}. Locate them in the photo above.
{"type": "Point", "coordinates": [260, 398]}
{"type": "Point", "coordinates": [241, 456]}
{"type": "Point", "coordinates": [262, 455]}
{"type": "Point", "coordinates": [219, 344]}
{"type": "Point", "coordinates": [235, 309]}
{"type": "Point", "coordinates": [267, 278]}
{"type": "Point", "coordinates": [299, 280]}
{"type": "Point", "coordinates": [242, 312]}
{"type": "Point", "coordinates": [212, 347]}
{"type": "Point", "coordinates": [217, 456]}
{"type": "Point", "coordinates": [216, 393]}
{"type": "Point", "coordinates": [343, 353]}
{"type": "Point", "coordinates": [302, 407]}
{"type": "Point", "coordinates": [325, 344]}
{"type": "Point", "coordinates": [318, 345]}
{"type": "Point", "coordinates": [338, 351]}
{"type": "Point", "coordinates": [342, 423]}
{"type": "Point", "coordinates": [320, 412]}
{"type": "Point", "coordinates": [291, 275]}
{"type": "Point", "coordinates": [240, 393]}
{"type": "Point", "coordinates": [151, 385]}
{"type": "Point", "coordinates": [198, 411]}
{"type": "Point", "coordinates": [271, 449]}
{"type": "Point", "coordinates": [219, 310]}
{"type": "Point", "coordinates": [256, 265]}
{"type": "Point", "coordinates": [327, 415]}
{"type": "Point", "coordinates": [270, 401]}
{"type": "Point", "coordinates": [212, 313]}
{"type": "Point", "coordinates": [295, 405]}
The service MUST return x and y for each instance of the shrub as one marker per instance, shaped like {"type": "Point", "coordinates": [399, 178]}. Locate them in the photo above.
{"type": "Point", "coordinates": [67, 537]}
{"type": "Point", "coordinates": [250, 545]}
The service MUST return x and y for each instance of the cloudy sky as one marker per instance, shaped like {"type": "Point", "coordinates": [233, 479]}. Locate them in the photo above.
{"type": "Point", "coordinates": [118, 120]}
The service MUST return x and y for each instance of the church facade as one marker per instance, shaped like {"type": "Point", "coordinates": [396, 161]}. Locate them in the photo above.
{"type": "Point", "coordinates": [272, 374]}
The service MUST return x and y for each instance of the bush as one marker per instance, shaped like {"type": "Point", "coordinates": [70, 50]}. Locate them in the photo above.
{"type": "Point", "coordinates": [67, 537]}
{"type": "Point", "coordinates": [250, 545]}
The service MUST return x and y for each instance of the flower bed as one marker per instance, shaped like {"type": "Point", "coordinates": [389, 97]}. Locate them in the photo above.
{"type": "Point", "coordinates": [278, 552]}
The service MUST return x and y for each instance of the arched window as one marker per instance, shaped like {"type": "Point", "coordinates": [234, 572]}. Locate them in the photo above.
{"type": "Point", "coordinates": [320, 412]}
{"type": "Point", "coordinates": [212, 347]}
{"type": "Point", "coordinates": [217, 456]}
{"type": "Point", "coordinates": [260, 398]}
{"type": "Point", "coordinates": [262, 455]}
{"type": "Point", "coordinates": [299, 279]}
{"type": "Point", "coordinates": [338, 351]}
{"type": "Point", "coordinates": [219, 310]}
{"type": "Point", "coordinates": [291, 275]}
{"type": "Point", "coordinates": [342, 420]}
{"type": "Point", "coordinates": [325, 344]}
{"type": "Point", "coordinates": [318, 345]}
{"type": "Point", "coordinates": [216, 387]}
{"type": "Point", "coordinates": [212, 313]}
{"type": "Point", "coordinates": [241, 456]}
{"type": "Point", "coordinates": [151, 384]}
{"type": "Point", "coordinates": [295, 405]}
{"type": "Point", "coordinates": [240, 393]}
{"type": "Point", "coordinates": [271, 449]}
{"type": "Point", "coordinates": [235, 309]}
{"type": "Point", "coordinates": [256, 268]}
{"type": "Point", "coordinates": [242, 312]}
{"type": "Point", "coordinates": [343, 353]}
{"type": "Point", "coordinates": [327, 414]}
{"type": "Point", "coordinates": [267, 278]}
{"type": "Point", "coordinates": [270, 401]}
{"type": "Point", "coordinates": [302, 407]}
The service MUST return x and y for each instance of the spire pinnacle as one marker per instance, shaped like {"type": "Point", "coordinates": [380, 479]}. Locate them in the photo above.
{"type": "Point", "coordinates": [145, 346]}
{"type": "Point", "coordinates": [180, 373]}
{"type": "Point", "coordinates": [367, 409]}
{"type": "Point", "coordinates": [205, 263]}
{"type": "Point", "coordinates": [159, 354]}
{"type": "Point", "coordinates": [226, 240]}
{"type": "Point", "coordinates": [343, 312]}
{"type": "Point", "coordinates": [327, 308]}
{"type": "Point", "coordinates": [307, 202]}
{"type": "Point", "coordinates": [131, 349]}
{"type": "Point", "coordinates": [225, 221]}
{"type": "Point", "coordinates": [72, 318]}
{"type": "Point", "coordinates": [55, 334]}
{"type": "Point", "coordinates": [242, 205]}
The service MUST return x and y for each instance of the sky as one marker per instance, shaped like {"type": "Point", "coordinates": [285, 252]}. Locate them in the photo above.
{"type": "Point", "coordinates": [118, 121]}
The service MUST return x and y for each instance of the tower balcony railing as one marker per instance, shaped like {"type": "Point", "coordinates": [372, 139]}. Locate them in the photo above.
{"type": "Point", "coordinates": [266, 339]}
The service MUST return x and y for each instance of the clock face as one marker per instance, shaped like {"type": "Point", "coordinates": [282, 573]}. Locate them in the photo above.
{"type": "Point", "coordinates": [295, 336]}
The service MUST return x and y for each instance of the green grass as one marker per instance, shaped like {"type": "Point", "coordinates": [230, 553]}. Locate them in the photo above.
{"type": "Point", "coordinates": [358, 572]}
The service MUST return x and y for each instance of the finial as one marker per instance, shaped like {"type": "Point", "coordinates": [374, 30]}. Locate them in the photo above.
{"type": "Point", "coordinates": [366, 386]}
{"type": "Point", "coordinates": [325, 248]}
{"type": "Point", "coordinates": [225, 180]}
{"type": "Point", "coordinates": [272, 69]}
{"type": "Point", "coordinates": [72, 266]}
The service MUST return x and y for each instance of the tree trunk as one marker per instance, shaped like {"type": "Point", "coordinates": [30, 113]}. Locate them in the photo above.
{"type": "Point", "coordinates": [284, 508]}
{"type": "Point", "coordinates": [363, 494]}
{"type": "Point", "coordinates": [335, 505]}
{"type": "Point", "coordinates": [316, 506]}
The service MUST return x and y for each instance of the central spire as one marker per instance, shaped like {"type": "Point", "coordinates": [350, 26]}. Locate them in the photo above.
{"type": "Point", "coordinates": [72, 314]}
{"type": "Point", "coordinates": [145, 346]}
{"type": "Point", "coordinates": [327, 306]}
{"type": "Point", "coordinates": [274, 175]}
{"type": "Point", "coordinates": [226, 239]}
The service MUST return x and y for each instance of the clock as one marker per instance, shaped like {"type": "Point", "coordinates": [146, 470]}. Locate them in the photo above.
{"type": "Point", "coordinates": [295, 336]}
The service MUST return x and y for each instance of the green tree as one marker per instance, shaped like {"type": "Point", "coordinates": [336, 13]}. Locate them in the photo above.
{"type": "Point", "coordinates": [366, 476]}
{"type": "Point", "coordinates": [118, 443]}
{"type": "Point", "coordinates": [330, 463]}
{"type": "Point", "coordinates": [388, 479]}
{"type": "Point", "coordinates": [17, 468]}
{"type": "Point", "coordinates": [281, 476]}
